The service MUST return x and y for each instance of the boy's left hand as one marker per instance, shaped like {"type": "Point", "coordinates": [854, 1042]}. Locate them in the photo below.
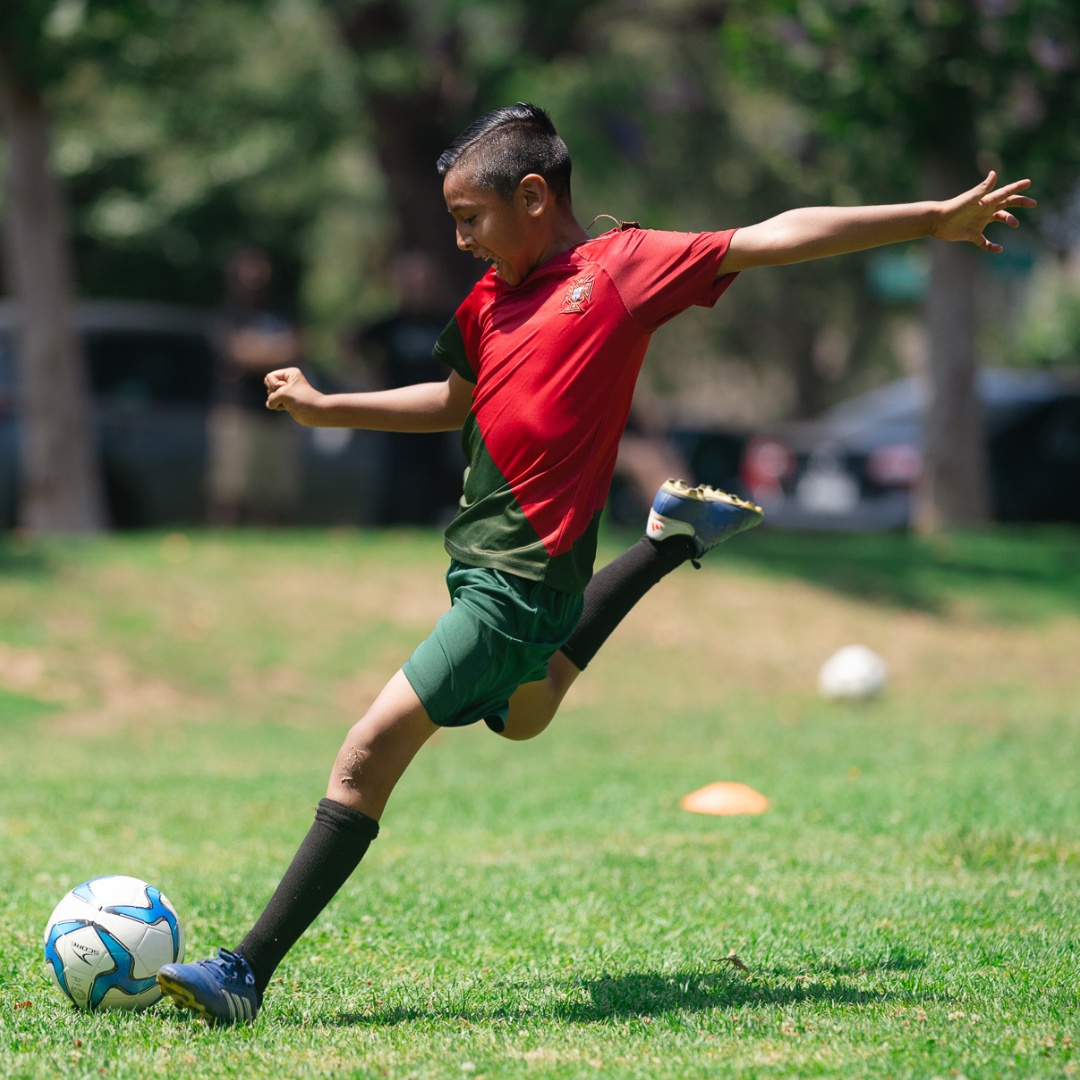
{"type": "Point", "coordinates": [287, 389]}
{"type": "Point", "coordinates": [966, 216]}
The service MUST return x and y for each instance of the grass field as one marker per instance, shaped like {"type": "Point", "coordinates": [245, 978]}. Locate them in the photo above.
{"type": "Point", "coordinates": [908, 907]}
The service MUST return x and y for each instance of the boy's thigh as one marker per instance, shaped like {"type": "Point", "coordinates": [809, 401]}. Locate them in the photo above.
{"type": "Point", "coordinates": [500, 632]}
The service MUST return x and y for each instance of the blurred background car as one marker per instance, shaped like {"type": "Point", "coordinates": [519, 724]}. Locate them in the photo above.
{"type": "Point", "coordinates": [856, 466]}
{"type": "Point", "coordinates": [701, 455]}
{"type": "Point", "coordinates": [151, 369]}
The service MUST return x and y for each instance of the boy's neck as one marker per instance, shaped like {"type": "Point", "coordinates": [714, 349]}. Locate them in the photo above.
{"type": "Point", "coordinates": [565, 232]}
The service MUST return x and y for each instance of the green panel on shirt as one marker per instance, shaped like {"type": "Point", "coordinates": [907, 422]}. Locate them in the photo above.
{"type": "Point", "coordinates": [491, 529]}
{"type": "Point", "coordinates": [450, 350]}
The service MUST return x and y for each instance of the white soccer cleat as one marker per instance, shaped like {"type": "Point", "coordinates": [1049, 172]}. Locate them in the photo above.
{"type": "Point", "coordinates": [705, 514]}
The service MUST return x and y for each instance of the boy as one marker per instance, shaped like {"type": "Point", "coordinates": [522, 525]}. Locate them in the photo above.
{"type": "Point", "coordinates": [544, 354]}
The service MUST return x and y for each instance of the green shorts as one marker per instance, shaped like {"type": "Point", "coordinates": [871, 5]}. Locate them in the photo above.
{"type": "Point", "coordinates": [501, 631]}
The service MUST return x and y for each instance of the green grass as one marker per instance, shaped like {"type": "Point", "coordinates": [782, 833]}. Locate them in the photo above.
{"type": "Point", "coordinates": [908, 907]}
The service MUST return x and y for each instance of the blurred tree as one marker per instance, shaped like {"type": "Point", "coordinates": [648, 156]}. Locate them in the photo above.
{"type": "Point", "coordinates": [920, 98]}
{"type": "Point", "coordinates": [235, 124]}
{"type": "Point", "coordinates": [311, 127]}
{"type": "Point", "coordinates": [176, 132]}
{"type": "Point", "coordinates": [60, 483]}
{"type": "Point", "coordinates": [423, 71]}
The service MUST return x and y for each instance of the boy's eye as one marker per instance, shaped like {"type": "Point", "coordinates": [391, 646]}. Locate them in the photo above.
{"type": "Point", "coordinates": [469, 220]}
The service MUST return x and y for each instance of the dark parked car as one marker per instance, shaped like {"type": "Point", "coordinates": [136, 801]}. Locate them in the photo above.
{"type": "Point", "coordinates": [151, 369]}
{"type": "Point", "coordinates": [855, 466]}
{"type": "Point", "coordinates": [712, 456]}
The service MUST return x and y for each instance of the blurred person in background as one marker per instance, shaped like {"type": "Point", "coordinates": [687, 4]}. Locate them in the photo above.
{"type": "Point", "coordinates": [420, 474]}
{"type": "Point", "coordinates": [253, 467]}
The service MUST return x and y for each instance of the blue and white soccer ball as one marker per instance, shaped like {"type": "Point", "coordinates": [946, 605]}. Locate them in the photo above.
{"type": "Point", "coordinates": [106, 939]}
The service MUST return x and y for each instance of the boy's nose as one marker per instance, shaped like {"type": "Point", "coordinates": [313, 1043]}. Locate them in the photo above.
{"type": "Point", "coordinates": [464, 242]}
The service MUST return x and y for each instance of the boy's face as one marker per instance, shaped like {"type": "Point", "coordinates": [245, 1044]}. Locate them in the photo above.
{"type": "Point", "coordinates": [490, 227]}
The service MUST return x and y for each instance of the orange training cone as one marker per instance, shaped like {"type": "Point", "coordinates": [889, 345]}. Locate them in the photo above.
{"type": "Point", "coordinates": [725, 798]}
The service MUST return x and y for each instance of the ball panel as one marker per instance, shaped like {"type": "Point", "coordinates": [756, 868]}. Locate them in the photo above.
{"type": "Point", "coordinates": [119, 985]}
{"type": "Point", "coordinates": [130, 898]}
{"type": "Point", "coordinates": [78, 957]}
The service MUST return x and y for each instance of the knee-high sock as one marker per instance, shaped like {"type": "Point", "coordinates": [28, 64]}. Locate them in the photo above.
{"type": "Point", "coordinates": [614, 590]}
{"type": "Point", "coordinates": [337, 841]}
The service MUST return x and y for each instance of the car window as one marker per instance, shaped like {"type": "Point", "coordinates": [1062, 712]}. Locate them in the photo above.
{"type": "Point", "coordinates": [149, 367]}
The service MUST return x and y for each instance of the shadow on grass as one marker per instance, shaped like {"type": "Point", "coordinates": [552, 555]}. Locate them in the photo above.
{"type": "Point", "coordinates": [21, 558]}
{"type": "Point", "coordinates": [633, 996]}
{"type": "Point", "coordinates": [892, 959]}
{"type": "Point", "coordinates": [1014, 574]}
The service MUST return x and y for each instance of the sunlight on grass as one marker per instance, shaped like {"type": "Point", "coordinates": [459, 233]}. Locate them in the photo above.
{"type": "Point", "coordinates": [907, 907]}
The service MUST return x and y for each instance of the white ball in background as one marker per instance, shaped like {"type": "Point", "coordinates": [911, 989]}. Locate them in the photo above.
{"type": "Point", "coordinates": [852, 672]}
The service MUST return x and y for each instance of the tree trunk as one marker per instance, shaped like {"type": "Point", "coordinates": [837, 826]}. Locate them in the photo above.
{"type": "Point", "coordinates": [954, 489]}
{"type": "Point", "coordinates": [410, 133]}
{"type": "Point", "coordinates": [60, 488]}
{"type": "Point", "coordinates": [409, 140]}
{"type": "Point", "coordinates": [798, 335]}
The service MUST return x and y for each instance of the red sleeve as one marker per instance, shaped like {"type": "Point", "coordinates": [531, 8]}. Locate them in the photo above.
{"type": "Point", "coordinates": [659, 274]}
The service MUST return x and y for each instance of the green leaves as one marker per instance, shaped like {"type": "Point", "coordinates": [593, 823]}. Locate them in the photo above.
{"type": "Point", "coordinates": [936, 77]}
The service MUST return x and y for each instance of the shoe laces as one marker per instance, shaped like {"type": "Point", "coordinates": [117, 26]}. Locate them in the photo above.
{"type": "Point", "coordinates": [233, 967]}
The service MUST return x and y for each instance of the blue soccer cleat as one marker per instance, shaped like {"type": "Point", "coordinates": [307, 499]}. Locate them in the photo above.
{"type": "Point", "coordinates": [706, 515]}
{"type": "Point", "coordinates": [221, 990]}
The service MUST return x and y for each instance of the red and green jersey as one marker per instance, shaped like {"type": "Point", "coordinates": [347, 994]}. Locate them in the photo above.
{"type": "Point", "coordinates": [555, 360]}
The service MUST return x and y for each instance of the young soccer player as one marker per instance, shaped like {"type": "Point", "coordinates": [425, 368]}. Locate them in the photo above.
{"type": "Point", "coordinates": [544, 354]}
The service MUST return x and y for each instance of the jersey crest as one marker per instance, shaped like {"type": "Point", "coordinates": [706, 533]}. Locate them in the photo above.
{"type": "Point", "coordinates": [578, 293]}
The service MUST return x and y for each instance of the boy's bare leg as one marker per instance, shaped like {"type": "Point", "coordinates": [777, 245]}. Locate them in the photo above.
{"type": "Point", "coordinates": [375, 753]}
{"type": "Point", "coordinates": [378, 748]}
{"type": "Point", "coordinates": [533, 704]}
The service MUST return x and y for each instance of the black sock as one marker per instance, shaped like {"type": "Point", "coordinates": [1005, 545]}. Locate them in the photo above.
{"type": "Point", "coordinates": [614, 590]}
{"type": "Point", "coordinates": [331, 851]}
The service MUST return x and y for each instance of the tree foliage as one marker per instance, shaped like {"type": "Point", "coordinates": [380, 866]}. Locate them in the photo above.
{"type": "Point", "coordinates": [185, 128]}
{"type": "Point", "coordinates": [890, 84]}
{"type": "Point", "coordinates": [917, 98]}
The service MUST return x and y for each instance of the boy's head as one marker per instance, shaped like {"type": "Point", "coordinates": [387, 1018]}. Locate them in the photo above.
{"type": "Point", "coordinates": [506, 181]}
{"type": "Point", "coordinates": [505, 145]}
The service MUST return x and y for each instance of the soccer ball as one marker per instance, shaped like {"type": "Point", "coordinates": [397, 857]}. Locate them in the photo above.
{"type": "Point", "coordinates": [106, 939]}
{"type": "Point", "coordinates": [852, 672]}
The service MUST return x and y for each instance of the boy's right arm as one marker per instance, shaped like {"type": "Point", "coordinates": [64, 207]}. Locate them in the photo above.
{"type": "Point", "coordinates": [437, 406]}
{"type": "Point", "coordinates": [821, 231]}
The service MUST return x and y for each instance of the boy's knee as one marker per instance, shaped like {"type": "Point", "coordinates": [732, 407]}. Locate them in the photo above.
{"type": "Point", "coordinates": [520, 730]}
{"type": "Point", "coordinates": [349, 764]}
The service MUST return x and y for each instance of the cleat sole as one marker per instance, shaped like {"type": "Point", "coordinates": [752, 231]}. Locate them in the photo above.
{"type": "Point", "coordinates": [183, 998]}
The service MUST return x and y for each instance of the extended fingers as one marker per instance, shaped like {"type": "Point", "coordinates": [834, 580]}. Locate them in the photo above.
{"type": "Point", "coordinates": [1010, 194]}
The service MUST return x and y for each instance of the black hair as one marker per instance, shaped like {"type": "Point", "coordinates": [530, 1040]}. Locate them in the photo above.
{"type": "Point", "coordinates": [507, 144]}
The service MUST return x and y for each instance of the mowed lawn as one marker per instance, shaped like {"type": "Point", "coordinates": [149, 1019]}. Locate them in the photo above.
{"type": "Point", "coordinates": [908, 906]}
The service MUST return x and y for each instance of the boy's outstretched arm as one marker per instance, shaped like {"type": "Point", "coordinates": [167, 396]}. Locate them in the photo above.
{"type": "Point", "coordinates": [436, 406]}
{"type": "Point", "coordinates": [819, 231]}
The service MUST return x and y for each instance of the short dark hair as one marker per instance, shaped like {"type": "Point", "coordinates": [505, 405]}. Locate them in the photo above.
{"type": "Point", "coordinates": [507, 144]}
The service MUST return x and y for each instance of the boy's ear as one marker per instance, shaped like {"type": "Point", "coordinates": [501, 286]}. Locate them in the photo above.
{"type": "Point", "coordinates": [534, 193]}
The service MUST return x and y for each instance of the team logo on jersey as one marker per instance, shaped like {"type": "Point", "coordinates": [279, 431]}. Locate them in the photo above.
{"type": "Point", "coordinates": [577, 294]}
